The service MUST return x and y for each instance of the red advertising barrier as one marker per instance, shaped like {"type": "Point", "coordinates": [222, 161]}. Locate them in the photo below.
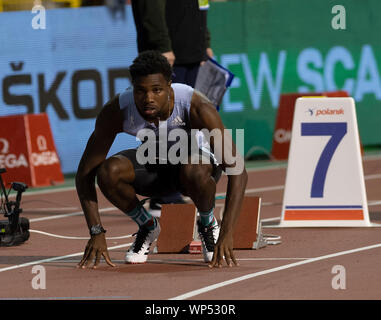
{"type": "Point", "coordinates": [27, 151]}
{"type": "Point", "coordinates": [285, 116]}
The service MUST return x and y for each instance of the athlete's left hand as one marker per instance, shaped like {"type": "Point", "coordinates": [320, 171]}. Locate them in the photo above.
{"type": "Point", "coordinates": [223, 249]}
{"type": "Point", "coordinates": [96, 248]}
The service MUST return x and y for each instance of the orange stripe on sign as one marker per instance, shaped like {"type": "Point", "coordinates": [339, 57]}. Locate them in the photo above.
{"type": "Point", "coordinates": [324, 215]}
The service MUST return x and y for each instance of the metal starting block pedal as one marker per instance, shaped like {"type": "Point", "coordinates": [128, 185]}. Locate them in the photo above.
{"type": "Point", "coordinates": [179, 233]}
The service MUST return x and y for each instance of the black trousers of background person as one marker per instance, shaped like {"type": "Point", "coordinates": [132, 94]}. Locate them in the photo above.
{"type": "Point", "coordinates": [185, 73]}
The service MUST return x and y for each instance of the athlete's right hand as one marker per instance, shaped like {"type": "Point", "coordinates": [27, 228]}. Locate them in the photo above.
{"type": "Point", "coordinates": [95, 249]}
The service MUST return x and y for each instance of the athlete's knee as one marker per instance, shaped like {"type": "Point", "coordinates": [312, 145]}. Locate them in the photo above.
{"type": "Point", "coordinates": [195, 174]}
{"type": "Point", "coordinates": [112, 170]}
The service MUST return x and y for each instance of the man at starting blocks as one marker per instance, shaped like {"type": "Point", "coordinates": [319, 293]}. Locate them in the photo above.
{"type": "Point", "coordinates": [153, 109]}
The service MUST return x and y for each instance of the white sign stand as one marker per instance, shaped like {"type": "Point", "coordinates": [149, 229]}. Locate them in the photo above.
{"type": "Point", "coordinates": [325, 180]}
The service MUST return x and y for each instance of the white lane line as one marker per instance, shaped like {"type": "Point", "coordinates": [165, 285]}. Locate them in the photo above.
{"type": "Point", "coordinates": [76, 238]}
{"type": "Point", "coordinates": [78, 213]}
{"type": "Point", "coordinates": [280, 187]}
{"type": "Point", "coordinates": [372, 157]}
{"type": "Point", "coordinates": [263, 189]}
{"type": "Point", "coordinates": [59, 216]}
{"type": "Point", "coordinates": [51, 209]}
{"type": "Point", "coordinates": [271, 219]}
{"type": "Point", "coordinates": [271, 167]}
{"type": "Point", "coordinates": [246, 259]}
{"type": "Point", "coordinates": [270, 259]}
{"type": "Point", "coordinates": [372, 176]}
{"type": "Point", "coordinates": [48, 191]}
{"type": "Point", "coordinates": [248, 191]}
{"type": "Point", "coordinates": [374, 202]}
{"type": "Point", "coordinates": [368, 177]}
{"type": "Point", "coordinates": [268, 271]}
{"type": "Point", "coordinates": [70, 298]}
{"type": "Point", "coordinates": [72, 188]}
{"type": "Point", "coordinates": [172, 261]}
{"type": "Point", "coordinates": [264, 168]}
{"type": "Point", "coordinates": [58, 236]}
{"type": "Point", "coordinates": [239, 259]}
{"type": "Point", "coordinates": [31, 263]}
{"type": "Point", "coordinates": [32, 192]}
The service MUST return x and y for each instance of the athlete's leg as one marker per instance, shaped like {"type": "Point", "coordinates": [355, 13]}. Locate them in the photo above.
{"type": "Point", "coordinates": [115, 178]}
{"type": "Point", "coordinates": [198, 183]}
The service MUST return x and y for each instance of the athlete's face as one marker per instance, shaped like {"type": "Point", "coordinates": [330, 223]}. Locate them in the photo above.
{"type": "Point", "coordinates": [152, 96]}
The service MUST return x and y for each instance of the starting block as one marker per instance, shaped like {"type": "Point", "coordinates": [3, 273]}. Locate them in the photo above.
{"type": "Point", "coordinates": [246, 231]}
{"type": "Point", "coordinates": [177, 223]}
{"type": "Point", "coordinates": [179, 230]}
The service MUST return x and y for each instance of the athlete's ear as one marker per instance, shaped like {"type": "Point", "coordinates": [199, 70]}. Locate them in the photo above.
{"type": "Point", "coordinates": [169, 83]}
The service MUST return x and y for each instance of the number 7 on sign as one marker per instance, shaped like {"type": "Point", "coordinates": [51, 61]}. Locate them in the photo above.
{"type": "Point", "coordinates": [337, 131]}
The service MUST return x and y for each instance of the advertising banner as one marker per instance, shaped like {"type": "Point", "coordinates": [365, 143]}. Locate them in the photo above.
{"type": "Point", "coordinates": [71, 63]}
{"type": "Point", "coordinates": [277, 47]}
{"type": "Point", "coordinates": [67, 70]}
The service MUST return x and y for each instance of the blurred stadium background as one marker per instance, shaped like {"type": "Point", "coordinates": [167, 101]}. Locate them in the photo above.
{"type": "Point", "coordinates": [73, 66]}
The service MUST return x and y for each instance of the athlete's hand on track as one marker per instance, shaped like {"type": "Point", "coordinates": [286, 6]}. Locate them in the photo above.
{"type": "Point", "coordinates": [95, 249]}
{"type": "Point", "coordinates": [223, 248]}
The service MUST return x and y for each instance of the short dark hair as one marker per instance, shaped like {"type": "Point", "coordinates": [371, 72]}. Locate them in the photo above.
{"type": "Point", "coordinates": [150, 62]}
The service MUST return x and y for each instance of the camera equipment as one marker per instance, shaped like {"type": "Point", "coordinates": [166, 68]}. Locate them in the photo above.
{"type": "Point", "coordinates": [15, 230]}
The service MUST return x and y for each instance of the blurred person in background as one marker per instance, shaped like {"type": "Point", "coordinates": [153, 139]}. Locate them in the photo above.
{"type": "Point", "coordinates": [115, 6]}
{"type": "Point", "coordinates": [178, 29]}
{"type": "Point", "coordinates": [86, 3]}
